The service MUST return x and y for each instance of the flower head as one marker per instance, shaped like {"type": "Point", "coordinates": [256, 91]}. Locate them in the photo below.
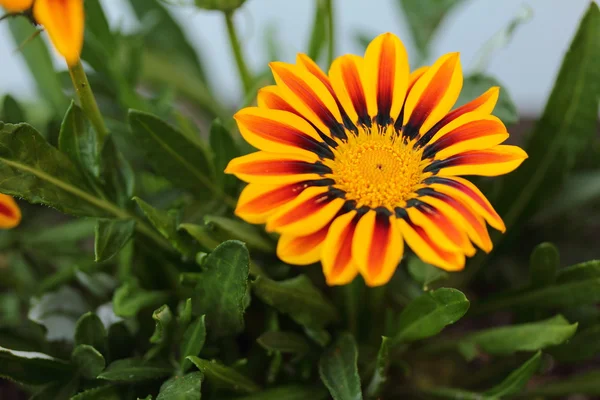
{"type": "Point", "coordinates": [10, 214]}
{"type": "Point", "coordinates": [354, 163]}
{"type": "Point", "coordinates": [62, 19]}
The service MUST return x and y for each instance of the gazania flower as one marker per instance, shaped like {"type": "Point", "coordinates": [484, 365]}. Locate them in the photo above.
{"type": "Point", "coordinates": [62, 19]}
{"type": "Point", "coordinates": [10, 214]}
{"type": "Point", "coordinates": [356, 162]}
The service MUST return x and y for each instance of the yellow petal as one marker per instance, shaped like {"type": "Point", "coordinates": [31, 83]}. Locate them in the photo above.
{"type": "Point", "coordinates": [336, 255]}
{"type": "Point", "coordinates": [14, 6]}
{"type": "Point", "coordinates": [10, 213]}
{"type": "Point", "coordinates": [64, 22]}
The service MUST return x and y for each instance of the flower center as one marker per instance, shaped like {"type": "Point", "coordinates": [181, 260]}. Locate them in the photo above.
{"type": "Point", "coordinates": [377, 168]}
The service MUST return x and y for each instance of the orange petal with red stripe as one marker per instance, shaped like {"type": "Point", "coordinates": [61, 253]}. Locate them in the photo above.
{"type": "Point", "coordinates": [257, 202]}
{"type": "Point", "coordinates": [336, 254]}
{"type": "Point", "coordinates": [269, 97]}
{"type": "Point", "coordinates": [437, 225]}
{"type": "Point", "coordinates": [377, 247]}
{"type": "Point", "coordinates": [301, 250]}
{"type": "Point", "coordinates": [347, 77]}
{"type": "Point", "coordinates": [10, 213]}
{"type": "Point", "coordinates": [309, 212]}
{"type": "Point", "coordinates": [498, 160]}
{"type": "Point", "coordinates": [64, 22]}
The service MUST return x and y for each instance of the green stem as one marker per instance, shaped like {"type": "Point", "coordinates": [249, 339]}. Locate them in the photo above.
{"type": "Point", "coordinates": [243, 70]}
{"type": "Point", "coordinates": [331, 26]}
{"type": "Point", "coordinates": [87, 100]}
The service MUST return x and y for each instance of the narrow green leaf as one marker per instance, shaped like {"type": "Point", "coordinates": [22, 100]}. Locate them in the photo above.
{"type": "Point", "coordinates": [134, 370]}
{"type": "Point", "coordinates": [88, 360]}
{"type": "Point", "coordinates": [166, 223]}
{"type": "Point", "coordinates": [58, 390]}
{"type": "Point", "coordinates": [116, 174]}
{"type": "Point", "coordinates": [111, 236]}
{"type": "Point", "coordinates": [185, 314]}
{"type": "Point", "coordinates": [566, 129]}
{"type": "Point", "coordinates": [77, 139]}
{"type": "Point", "coordinates": [185, 387]}
{"type": "Point", "coordinates": [31, 368]}
{"type": "Point", "coordinates": [586, 383]}
{"type": "Point", "coordinates": [40, 64]}
{"type": "Point", "coordinates": [162, 317]}
{"type": "Point", "coordinates": [424, 273]}
{"type": "Point", "coordinates": [381, 369]}
{"type": "Point", "coordinates": [516, 381]}
{"type": "Point", "coordinates": [587, 270]}
{"type": "Point", "coordinates": [339, 371]}
{"type": "Point", "coordinates": [107, 392]}
{"type": "Point", "coordinates": [475, 85]}
{"type": "Point", "coordinates": [523, 337]}
{"type": "Point", "coordinates": [192, 342]}
{"type": "Point", "coordinates": [543, 265]}
{"type": "Point", "coordinates": [34, 170]}
{"type": "Point", "coordinates": [12, 112]}
{"type": "Point", "coordinates": [298, 298]}
{"type": "Point", "coordinates": [239, 230]}
{"type": "Point", "coordinates": [224, 377]}
{"type": "Point", "coordinates": [130, 298]}
{"type": "Point", "coordinates": [284, 342]}
{"type": "Point", "coordinates": [318, 35]}
{"type": "Point", "coordinates": [90, 330]}
{"type": "Point", "coordinates": [224, 149]}
{"type": "Point", "coordinates": [221, 291]}
{"type": "Point", "coordinates": [583, 346]}
{"type": "Point", "coordinates": [171, 154]}
{"type": "Point", "coordinates": [289, 392]}
{"type": "Point", "coordinates": [428, 314]}
{"type": "Point", "coordinates": [423, 19]}
{"type": "Point", "coordinates": [201, 234]}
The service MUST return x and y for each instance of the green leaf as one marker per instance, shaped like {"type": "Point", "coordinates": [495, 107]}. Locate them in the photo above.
{"type": "Point", "coordinates": [381, 369]}
{"type": "Point", "coordinates": [583, 346]}
{"type": "Point", "coordinates": [58, 390]}
{"type": "Point", "coordinates": [88, 360]}
{"type": "Point", "coordinates": [423, 19]}
{"type": "Point", "coordinates": [31, 368]}
{"type": "Point", "coordinates": [424, 273]}
{"type": "Point", "coordinates": [239, 230]}
{"type": "Point", "coordinates": [77, 139]}
{"type": "Point", "coordinates": [185, 314]}
{"type": "Point", "coordinates": [10, 310]}
{"type": "Point", "coordinates": [40, 64]}
{"type": "Point", "coordinates": [339, 371]}
{"type": "Point", "coordinates": [224, 149]}
{"type": "Point", "coordinates": [289, 392]}
{"type": "Point", "coordinates": [12, 112]}
{"type": "Point", "coordinates": [454, 394]}
{"type": "Point", "coordinates": [129, 299]}
{"type": "Point", "coordinates": [524, 337]}
{"type": "Point", "coordinates": [107, 392]}
{"type": "Point", "coordinates": [162, 319]}
{"type": "Point", "coordinates": [516, 381]}
{"type": "Point", "coordinates": [428, 314]}
{"type": "Point", "coordinates": [134, 370]}
{"type": "Point", "coordinates": [185, 387]}
{"type": "Point", "coordinates": [116, 174]}
{"type": "Point", "coordinates": [193, 341]}
{"type": "Point", "coordinates": [475, 85]}
{"type": "Point", "coordinates": [34, 170]}
{"type": "Point", "coordinates": [224, 377]}
{"type": "Point", "coordinates": [284, 342]}
{"type": "Point", "coordinates": [565, 131]}
{"type": "Point", "coordinates": [171, 154]}
{"type": "Point", "coordinates": [543, 264]}
{"type": "Point", "coordinates": [166, 223]}
{"type": "Point", "coordinates": [298, 298]}
{"type": "Point", "coordinates": [111, 236]}
{"type": "Point", "coordinates": [318, 35]}
{"type": "Point", "coordinates": [90, 330]}
{"type": "Point", "coordinates": [201, 234]}
{"type": "Point", "coordinates": [586, 383]}
{"type": "Point", "coordinates": [221, 291]}
{"type": "Point", "coordinates": [579, 272]}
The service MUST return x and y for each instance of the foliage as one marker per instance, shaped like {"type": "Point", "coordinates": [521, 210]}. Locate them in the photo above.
{"type": "Point", "coordinates": [131, 277]}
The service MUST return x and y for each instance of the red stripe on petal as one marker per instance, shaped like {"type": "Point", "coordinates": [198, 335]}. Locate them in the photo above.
{"type": "Point", "coordinates": [283, 167]}
{"type": "Point", "coordinates": [379, 243]}
{"type": "Point", "coordinates": [468, 131]}
{"type": "Point", "coordinates": [301, 211]}
{"type": "Point", "coordinates": [7, 211]}
{"type": "Point", "coordinates": [273, 199]}
{"type": "Point", "coordinates": [355, 90]}
{"type": "Point", "coordinates": [269, 98]}
{"type": "Point", "coordinates": [386, 76]}
{"type": "Point", "coordinates": [344, 256]}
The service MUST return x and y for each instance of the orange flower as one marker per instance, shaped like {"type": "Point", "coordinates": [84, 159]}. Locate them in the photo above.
{"type": "Point", "coordinates": [62, 19]}
{"type": "Point", "coordinates": [355, 163]}
{"type": "Point", "coordinates": [10, 214]}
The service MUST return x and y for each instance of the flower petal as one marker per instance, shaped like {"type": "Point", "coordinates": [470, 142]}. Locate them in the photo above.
{"type": "Point", "coordinates": [269, 168]}
{"type": "Point", "coordinates": [314, 208]}
{"type": "Point", "coordinates": [336, 255]}
{"type": "Point", "coordinates": [63, 20]}
{"type": "Point", "coordinates": [270, 97]}
{"type": "Point", "coordinates": [10, 213]}
{"type": "Point", "coordinates": [347, 78]}
{"type": "Point", "coordinates": [498, 160]}
{"type": "Point", "coordinates": [386, 77]}
{"type": "Point", "coordinates": [310, 97]}
{"type": "Point", "coordinates": [427, 250]}
{"type": "Point", "coordinates": [433, 95]}
{"type": "Point", "coordinates": [437, 225]}
{"type": "Point", "coordinates": [377, 247]}
{"type": "Point", "coordinates": [463, 190]}
{"type": "Point", "coordinates": [14, 6]}
{"type": "Point", "coordinates": [301, 250]}
{"type": "Point", "coordinates": [280, 132]}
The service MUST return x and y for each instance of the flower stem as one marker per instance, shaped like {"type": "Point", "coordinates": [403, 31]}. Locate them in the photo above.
{"type": "Point", "coordinates": [331, 26]}
{"type": "Point", "coordinates": [87, 100]}
{"type": "Point", "coordinates": [243, 70]}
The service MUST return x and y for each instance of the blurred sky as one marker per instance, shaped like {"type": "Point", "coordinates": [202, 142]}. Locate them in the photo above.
{"type": "Point", "coordinates": [527, 66]}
